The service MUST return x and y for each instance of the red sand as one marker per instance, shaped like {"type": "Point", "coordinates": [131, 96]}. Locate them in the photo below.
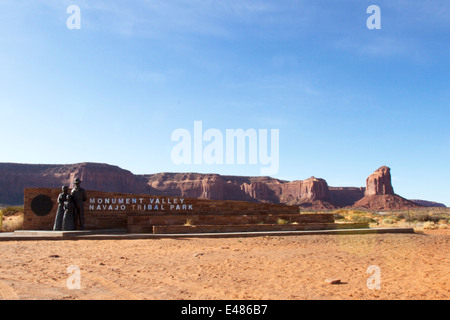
{"type": "Point", "coordinates": [413, 266]}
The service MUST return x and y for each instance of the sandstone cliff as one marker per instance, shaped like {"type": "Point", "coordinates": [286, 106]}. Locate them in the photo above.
{"type": "Point", "coordinates": [425, 203]}
{"type": "Point", "coordinates": [345, 196]}
{"type": "Point", "coordinates": [379, 194]}
{"type": "Point", "coordinates": [385, 202]}
{"type": "Point", "coordinates": [298, 192]}
{"type": "Point", "coordinates": [379, 182]}
{"type": "Point", "coordinates": [15, 177]}
{"type": "Point", "coordinates": [312, 193]}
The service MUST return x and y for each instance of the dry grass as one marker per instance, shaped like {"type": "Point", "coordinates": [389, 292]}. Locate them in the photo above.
{"type": "Point", "coordinates": [419, 219]}
{"type": "Point", "coordinates": [12, 223]}
{"type": "Point", "coordinates": [12, 218]}
{"type": "Point", "coordinates": [282, 221]}
{"type": "Point", "coordinates": [429, 225]}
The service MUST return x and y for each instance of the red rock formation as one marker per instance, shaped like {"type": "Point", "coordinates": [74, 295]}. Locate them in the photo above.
{"type": "Point", "coordinates": [316, 205]}
{"type": "Point", "coordinates": [385, 202]}
{"type": "Point", "coordinates": [345, 196]}
{"type": "Point", "coordinates": [425, 203]}
{"type": "Point", "coordinates": [213, 186]}
{"type": "Point", "coordinates": [379, 182]}
{"type": "Point", "coordinates": [309, 190]}
{"type": "Point", "coordinates": [191, 185]}
{"type": "Point", "coordinates": [258, 191]}
{"type": "Point", "coordinates": [102, 177]}
{"type": "Point", "coordinates": [312, 193]}
{"type": "Point", "coordinates": [379, 194]}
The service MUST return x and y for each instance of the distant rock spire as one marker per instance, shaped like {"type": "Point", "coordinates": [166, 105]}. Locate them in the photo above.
{"type": "Point", "coordinates": [379, 182]}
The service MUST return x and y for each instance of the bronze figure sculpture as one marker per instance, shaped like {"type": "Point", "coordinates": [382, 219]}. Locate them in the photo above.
{"type": "Point", "coordinates": [60, 212]}
{"type": "Point", "coordinates": [68, 222]}
{"type": "Point", "coordinates": [79, 196]}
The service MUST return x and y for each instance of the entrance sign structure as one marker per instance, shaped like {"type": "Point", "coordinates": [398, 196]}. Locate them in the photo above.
{"type": "Point", "coordinates": [143, 213]}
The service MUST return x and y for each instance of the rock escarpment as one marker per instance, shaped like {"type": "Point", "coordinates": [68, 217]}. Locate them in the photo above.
{"type": "Point", "coordinates": [385, 202]}
{"type": "Point", "coordinates": [379, 182]}
{"type": "Point", "coordinates": [345, 196]}
{"type": "Point", "coordinates": [304, 191]}
{"type": "Point", "coordinates": [312, 193]}
{"type": "Point", "coordinates": [379, 194]}
{"type": "Point", "coordinates": [15, 177]}
{"type": "Point", "coordinates": [425, 203]}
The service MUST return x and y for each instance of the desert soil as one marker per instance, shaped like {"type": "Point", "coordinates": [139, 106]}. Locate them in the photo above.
{"type": "Point", "coordinates": [412, 266]}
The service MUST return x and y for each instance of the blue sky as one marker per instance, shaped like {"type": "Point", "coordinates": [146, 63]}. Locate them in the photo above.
{"type": "Point", "coordinates": [345, 99]}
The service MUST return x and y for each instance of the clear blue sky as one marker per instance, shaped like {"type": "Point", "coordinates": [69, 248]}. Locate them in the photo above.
{"type": "Point", "coordinates": [345, 99]}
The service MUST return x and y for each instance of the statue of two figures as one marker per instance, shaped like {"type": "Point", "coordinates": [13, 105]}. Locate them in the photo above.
{"type": "Point", "coordinates": [70, 208]}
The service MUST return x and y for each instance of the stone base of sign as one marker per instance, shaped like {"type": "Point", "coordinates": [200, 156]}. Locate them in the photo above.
{"type": "Point", "coordinates": [165, 229]}
{"type": "Point", "coordinates": [33, 235]}
{"type": "Point", "coordinates": [146, 223]}
{"type": "Point", "coordinates": [67, 234]}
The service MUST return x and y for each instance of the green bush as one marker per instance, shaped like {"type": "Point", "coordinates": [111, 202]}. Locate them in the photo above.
{"type": "Point", "coordinates": [12, 210]}
{"type": "Point", "coordinates": [358, 218]}
{"type": "Point", "coordinates": [424, 217]}
{"type": "Point", "coordinates": [338, 216]}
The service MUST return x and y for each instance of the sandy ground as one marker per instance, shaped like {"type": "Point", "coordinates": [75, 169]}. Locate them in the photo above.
{"type": "Point", "coordinates": [411, 266]}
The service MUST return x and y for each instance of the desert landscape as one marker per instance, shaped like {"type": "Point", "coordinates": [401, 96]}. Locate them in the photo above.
{"type": "Point", "coordinates": [309, 194]}
{"type": "Point", "coordinates": [412, 266]}
{"type": "Point", "coordinates": [251, 150]}
{"type": "Point", "coordinates": [301, 267]}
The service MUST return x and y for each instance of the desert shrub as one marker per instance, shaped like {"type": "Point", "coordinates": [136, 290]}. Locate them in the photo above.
{"type": "Point", "coordinates": [281, 221]}
{"type": "Point", "coordinates": [423, 217]}
{"type": "Point", "coordinates": [12, 223]}
{"type": "Point", "coordinates": [434, 218]}
{"type": "Point", "coordinates": [430, 215]}
{"type": "Point", "coordinates": [358, 212]}
{"type": "Point", "coordinates": [443, 226]}
{"type": "Point", "coordinates": [338, 216]}
{"type": "Point", "coordinates": [429, 225]}
{"type": "Point", "coordinates": [189, 222]}
{"type": "Point", "coordinates": [339, 211]}
{"type": "Point", "coordinates": [391, 219]}
{"type": "Point", "coordinates": [358, 218]}
{"type": "Point", "coordinates": [12, 219]}
{"type": "Point", "coordinates": [13, 210]}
